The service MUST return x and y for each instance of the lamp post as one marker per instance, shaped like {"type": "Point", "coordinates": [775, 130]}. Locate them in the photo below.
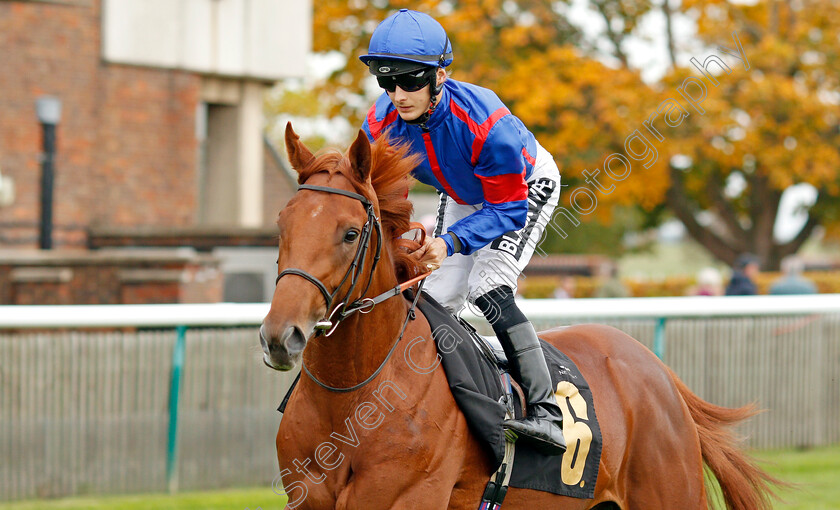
{"type": "Point", "coordinates": [48, 109]}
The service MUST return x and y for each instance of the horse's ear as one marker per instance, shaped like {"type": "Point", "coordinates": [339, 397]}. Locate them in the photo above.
{"type": "Point", "coordinates": [299, 155]}
{"type": "Point", "coordinates": [359, 155]}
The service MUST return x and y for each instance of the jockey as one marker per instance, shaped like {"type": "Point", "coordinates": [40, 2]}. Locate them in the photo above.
{"type": "Point", "coordinates": [497, 186]}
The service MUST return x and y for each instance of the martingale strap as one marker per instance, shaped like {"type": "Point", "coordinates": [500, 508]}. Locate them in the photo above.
{"type": "Point", "coordinates": [409, 316]}
{"type": "Point", "coordinates": [365, 305]}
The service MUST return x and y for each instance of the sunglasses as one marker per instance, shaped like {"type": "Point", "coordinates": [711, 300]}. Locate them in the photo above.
{"type": "Point", "coordinates": [409, 82]}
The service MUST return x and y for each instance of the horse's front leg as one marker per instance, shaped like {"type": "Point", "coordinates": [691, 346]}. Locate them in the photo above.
{"type": "Point", "coordinates": [440, 471]}
{"type": "Point", "coordinates": [392, 487]}
{"type": "Point", "coordinates": [407, 466]}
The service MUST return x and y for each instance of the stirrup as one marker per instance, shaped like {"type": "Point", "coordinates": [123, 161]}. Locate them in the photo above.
{"type": "Point", "coordinates": [541, 440]}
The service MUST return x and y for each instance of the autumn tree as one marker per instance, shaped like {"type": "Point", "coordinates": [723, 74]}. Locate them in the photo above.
{"type": "Point", "coordinates": [525, 51]}
{"type": "Point", "coordinates": [766, 118]}
{"type": "Point", "coordinates": [769, 120]}
{"type": "Point", "coordinates": [771, 129]}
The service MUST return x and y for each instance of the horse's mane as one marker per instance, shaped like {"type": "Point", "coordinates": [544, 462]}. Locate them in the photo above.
{"type": "Point", "coordinates": [391, 165]}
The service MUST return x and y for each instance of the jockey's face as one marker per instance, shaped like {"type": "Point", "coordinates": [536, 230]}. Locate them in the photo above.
{"type": "Point", "coordinates": [411, 105]}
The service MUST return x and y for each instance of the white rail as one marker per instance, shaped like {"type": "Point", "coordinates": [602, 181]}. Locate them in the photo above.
{"type": "Point", "coordinates": [149, 316]}
{"type": "Point", "coordinates": [235, 314]}
{"type": "Point", "coordinates": [682, 307]}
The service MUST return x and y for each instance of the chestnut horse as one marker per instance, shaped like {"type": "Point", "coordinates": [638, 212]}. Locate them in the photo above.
{"type": "Point", "coordinates": [365, 429]}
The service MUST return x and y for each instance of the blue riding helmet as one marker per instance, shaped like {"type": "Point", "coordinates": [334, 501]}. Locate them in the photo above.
{"type": "Point", "coordinates": [409, 37]}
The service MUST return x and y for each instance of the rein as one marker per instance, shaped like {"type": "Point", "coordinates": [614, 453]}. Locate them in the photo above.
{"type": "Point", "coordinates": [328, 324]}
{"type": "Point", "coordinates": [409, 316]}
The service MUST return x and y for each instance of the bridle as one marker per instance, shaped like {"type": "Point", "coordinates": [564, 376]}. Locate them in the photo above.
{"type": "Point", "coordinates": [330, 322]}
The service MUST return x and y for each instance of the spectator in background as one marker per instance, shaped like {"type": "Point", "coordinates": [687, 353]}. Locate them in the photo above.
{"type": "Point", "coordinates": [611, 286]}
{"type": "Point", "coordinates": [792, 281]}
{"type": "Point", "coordinates": [566, 289]}
{"type": "Point", "coordinates": [709, 283]}
{"type": "Point", "coordinates": [744, 271]}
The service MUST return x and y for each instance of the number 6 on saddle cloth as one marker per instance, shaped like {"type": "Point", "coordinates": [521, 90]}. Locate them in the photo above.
{"type": "Point", "coordinates": [474, 379]}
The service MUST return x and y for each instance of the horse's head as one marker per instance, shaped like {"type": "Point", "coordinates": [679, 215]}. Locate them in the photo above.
{"type": "Point", "coordinates": [325, 227]}
{"type": "Point", "coordinates": [348, 214]}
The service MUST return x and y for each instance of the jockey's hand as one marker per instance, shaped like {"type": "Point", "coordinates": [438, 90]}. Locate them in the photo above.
{"type": "Point", "coordinates": [432, 253]}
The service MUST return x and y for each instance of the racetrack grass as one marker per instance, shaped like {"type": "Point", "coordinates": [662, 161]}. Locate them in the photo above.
{"type": "Point", "coordinates": [232, 499]}
{"type": "Point", "coordinates": [816, 473]}
{"type": "Point", "coordinates": [813, 475]}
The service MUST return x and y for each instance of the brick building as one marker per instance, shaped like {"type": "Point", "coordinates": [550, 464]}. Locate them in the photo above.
{"type": "Point", "coordinates": [161, 124]}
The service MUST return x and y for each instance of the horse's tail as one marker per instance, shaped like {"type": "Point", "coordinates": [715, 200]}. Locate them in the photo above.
{"type": "Point", "coordinates": [743, 484]}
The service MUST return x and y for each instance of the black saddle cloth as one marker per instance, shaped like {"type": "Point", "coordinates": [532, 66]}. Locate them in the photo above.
{"type": "Point", "coordinates": [475, 380]}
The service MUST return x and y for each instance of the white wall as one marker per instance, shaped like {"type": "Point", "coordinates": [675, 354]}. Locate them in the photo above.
{"type": "Point", "coordinates": [259, 39]}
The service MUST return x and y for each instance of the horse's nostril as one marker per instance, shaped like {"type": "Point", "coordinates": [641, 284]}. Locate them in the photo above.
{"type": "Point", "coordinates": [294, 340]}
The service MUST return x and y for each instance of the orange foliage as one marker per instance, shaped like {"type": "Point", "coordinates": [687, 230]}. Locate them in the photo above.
{"type": "Point", "coordinates": [771, 120]}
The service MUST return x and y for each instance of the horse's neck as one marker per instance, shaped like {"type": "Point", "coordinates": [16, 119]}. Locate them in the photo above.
{"type": "Point", "coordinates": [410, 397]}
{"type": "Point", "coordinates": [359, 344]}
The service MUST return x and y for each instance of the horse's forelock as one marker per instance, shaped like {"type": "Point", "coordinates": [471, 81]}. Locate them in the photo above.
{"type": "Point", "coordinates": [325, 161]}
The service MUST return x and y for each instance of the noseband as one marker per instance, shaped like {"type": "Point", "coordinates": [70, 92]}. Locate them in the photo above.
{"type": "Point", "coordinates": [328, 324]}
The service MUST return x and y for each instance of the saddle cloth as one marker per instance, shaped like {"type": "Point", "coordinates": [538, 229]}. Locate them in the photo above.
{"type": "Point", "coordinates": [474, 370]}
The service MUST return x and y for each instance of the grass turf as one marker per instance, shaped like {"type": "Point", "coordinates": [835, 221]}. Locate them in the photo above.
{"type": "Point", "coordinates": [816, 473]}
{"type": "Point", "coordinates": [233, 499]}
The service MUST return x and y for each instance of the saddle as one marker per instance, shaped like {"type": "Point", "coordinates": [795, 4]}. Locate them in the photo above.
{"type": "Point", "coordinates": [478, 374]}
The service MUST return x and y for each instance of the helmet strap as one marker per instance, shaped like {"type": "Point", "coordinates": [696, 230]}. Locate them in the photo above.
{"type": "Point", "coordinates": [434, 90]}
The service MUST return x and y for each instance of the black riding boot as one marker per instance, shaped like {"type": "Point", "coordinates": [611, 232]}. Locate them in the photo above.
{"type": "Point", "coordinates": [543, 426]}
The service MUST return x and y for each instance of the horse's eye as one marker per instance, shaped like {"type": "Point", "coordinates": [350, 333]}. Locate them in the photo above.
{"type": "Point", "coordinates": [351, 235]}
